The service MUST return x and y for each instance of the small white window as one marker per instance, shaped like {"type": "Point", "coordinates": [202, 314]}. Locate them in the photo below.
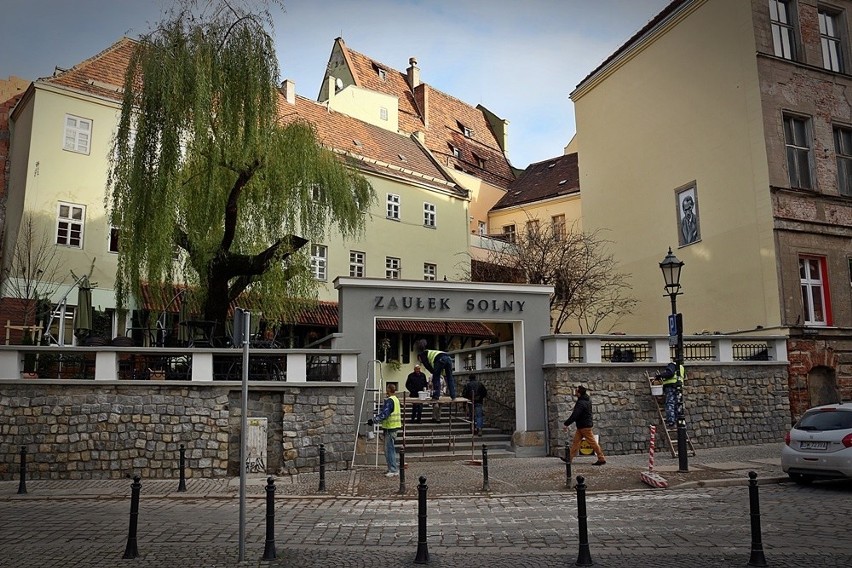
{"type": "Point", "coordinates": [69, 225]}
{"type": "Point", "coordinates": [429, 271]}
{"type": "Point", "coordinates": [455, 151]}
{"type": "Point", "coordinates": [812, 277]}
{"type": "Point", "coordinates": [429, 215]}
{"type": "Point", "coordinates": [483, 228]}
{"type": "Point", "coordinates": [393, 206]}
{"type": "Point", "coordinates": [392, 268]}
{"type": "Point", "coordinates": [381, 73]}
{"type": "Point", "coordinates": [383, 113]}
{"type": "Point", "coordinates": [509, 232]}
{"type": "Point", "coordinates": [357, 264]}
{"type": "Point", "coordinates": [78, 134]}
{"type": "Point", "coordinates": [319, 262]}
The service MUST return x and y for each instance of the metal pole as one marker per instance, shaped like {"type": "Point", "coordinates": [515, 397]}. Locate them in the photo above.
{"type": "Point", "coordinates": [756, 558]}
{"type": "Point", "coordinates": [584, 557]}
{"type": "Point", "coordinates": [243, 435]}
{"type": "Point", "coordinates": [130, 550]}
{"type": "Point", "coordinates": [422, 547]}
{"type": "Point", "coordinates": [182, 482]}
{"type": "Point", "coordinates": [269, 548]}
{"type": "Point", "coordinates": [567, 464]}
{"type": "Point", "coordinates": [402, 471]}
{"type": "Point", "coordinates": [682, 458]}
{"type": "Point", "coordinates": [485, 486]}
{"type": "Point", "coordinates": [22, 484]}
{"type": "Point", "coordinates": [322, 468]}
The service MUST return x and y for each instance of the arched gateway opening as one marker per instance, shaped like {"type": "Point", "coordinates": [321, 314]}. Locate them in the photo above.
{"type": "Point", "coordinates": [363, 301]}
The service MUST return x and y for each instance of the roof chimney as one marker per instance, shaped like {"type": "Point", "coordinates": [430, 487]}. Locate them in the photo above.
{"type": "Point", "coordinates": [288, 89]}
{"type": "Point", "coordinates": [413, 72]}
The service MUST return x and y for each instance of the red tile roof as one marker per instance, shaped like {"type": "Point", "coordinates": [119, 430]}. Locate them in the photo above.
{"type": "Point", "coordinates": [473, 329]}
{"type": "Point", "coordinates": [441, 120]}
{"type": "Point", "coordinates": [543, 180]}
{"type": "Point", "coordinates": [374, 148]}
{"type": "Point", "coordinates": [100, 75]}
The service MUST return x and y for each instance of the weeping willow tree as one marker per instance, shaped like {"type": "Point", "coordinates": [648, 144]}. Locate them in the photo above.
{"type": "Point", "coordinates": [207, 185]}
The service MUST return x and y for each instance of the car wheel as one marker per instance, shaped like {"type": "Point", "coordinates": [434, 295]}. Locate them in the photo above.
{"type": "Point", "coordinates": [801, 479]}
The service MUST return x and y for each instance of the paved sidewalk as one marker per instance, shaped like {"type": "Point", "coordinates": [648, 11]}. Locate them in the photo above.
{"type": "Point", "coordinates": [455, 478]}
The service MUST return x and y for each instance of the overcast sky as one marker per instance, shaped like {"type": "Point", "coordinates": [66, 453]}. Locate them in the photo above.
{"type": "Point", "coordinates": [518, 58]}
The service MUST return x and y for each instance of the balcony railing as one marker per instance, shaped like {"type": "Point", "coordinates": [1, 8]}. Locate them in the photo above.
{"type": "Point", "coordinates": [149, 363]}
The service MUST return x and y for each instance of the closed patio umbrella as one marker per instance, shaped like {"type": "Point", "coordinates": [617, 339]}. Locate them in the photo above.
{"type": "Point", "coordinates": [183, 316]}
{"type": "Point", "coordinates": [83, 313]}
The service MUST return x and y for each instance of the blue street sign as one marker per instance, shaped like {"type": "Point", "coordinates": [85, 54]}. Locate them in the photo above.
{"type": "Point", "coordinates": [672, 325]}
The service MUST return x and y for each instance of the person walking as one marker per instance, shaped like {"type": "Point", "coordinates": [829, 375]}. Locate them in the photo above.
{"type": "Point", "coordinates": [390, 420]}
{"type": "Point", "coordinates": [672, 376]}
{"type": "Point", "coordinates": [415, 384]}
{"type": "Point", "coordinates": [476, 392]}
{"type": "Point", "coordinates": [437, 362]}
{"type": "Point", "coordinates": [581, 416]}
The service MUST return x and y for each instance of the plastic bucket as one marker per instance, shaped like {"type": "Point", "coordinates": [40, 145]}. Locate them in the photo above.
{"type": "Point", "coordinates": [657, 390]}
{"type": "Point", "coordinates": [423, 395]}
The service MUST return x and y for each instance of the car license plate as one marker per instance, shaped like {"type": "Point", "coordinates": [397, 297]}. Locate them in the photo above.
{"type": "Point", "coordinates": [813, 445]}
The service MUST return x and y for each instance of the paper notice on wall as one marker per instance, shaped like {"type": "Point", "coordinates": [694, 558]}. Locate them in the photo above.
{"type": "Point", "coordinates": [256, 445]}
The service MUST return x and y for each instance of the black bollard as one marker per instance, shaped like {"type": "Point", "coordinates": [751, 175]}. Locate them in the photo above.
{"type": "Point", "coordinates": [22, 484]}
{"type": "Point", "coordinates": [182, 482]}
{"type": "Point", "coordinates": [485, 486]}
{"type": "Point", "coordinates": [584, 558]}
{"type": "Point", "coordinates": [401, 471]}
{"type": "Point", "coordinates": [567, 464]}
{"type": "Point", "coordinates": [322, 469]}
{"type": "Point", "coordinates": [269, 549]}
{"type": "Point", "coordinates": [130, 551]}
{"type": "Point", "coordinates": [756, 558]}
{"type": "Point", "coordinates": [422, 548]}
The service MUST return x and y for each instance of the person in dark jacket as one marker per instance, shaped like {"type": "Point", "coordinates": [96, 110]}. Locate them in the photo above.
{"type": "Point", "coordinates": [414, 384]}
{"type": "Point", "coordinates": [436, 362]}
{"type": "Point", "coordinates": [476, 393]}
{"type": "Point", "coordinates": [581, 416]}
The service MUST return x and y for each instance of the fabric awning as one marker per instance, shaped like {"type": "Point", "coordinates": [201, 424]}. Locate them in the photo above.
{"type": "Point", "coordinates": [431, 327]}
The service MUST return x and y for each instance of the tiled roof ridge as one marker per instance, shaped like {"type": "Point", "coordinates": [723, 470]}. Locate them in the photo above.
{"type": "Point", "coordinates": [88, 61]}
{"type": "Point", "coordinates": [404, 75]}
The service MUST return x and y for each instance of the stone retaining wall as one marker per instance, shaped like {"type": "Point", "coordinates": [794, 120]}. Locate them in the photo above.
{"type": "Point", "coordinates": [79, 430]}
{"type": "Point", "coordinates": [726, 405]}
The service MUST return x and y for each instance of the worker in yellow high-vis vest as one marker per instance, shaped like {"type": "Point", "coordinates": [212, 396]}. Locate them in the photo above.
{"type": "Point", "coordinates": [672, 376]}
{"type": "Point", "coordinates": [390, 420]}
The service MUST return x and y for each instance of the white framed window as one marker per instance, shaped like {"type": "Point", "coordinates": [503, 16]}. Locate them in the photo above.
{"type": "Point", "coordinates": [383, 113]}
{"type": "Point", "coordinates": [430, 271]}
{"type": "Point", "coordinates": [78, 134]}
{"type": "Point", "coordinates": [112, 246]}
{"type": "Point", "coordinates": [783, 31]}
{"type": "Point", "coordinates": [830, 27]}
{"type": "Point", "coordinates": [558, 223]}
{"type": "Point", "coordinates": [455, 151]}
{"type": "Point", "coordinates": [483, 228]}
{"type": "Point", "coordinates": [319, 262]}
{"type": "Point", "coordinates": [393, 268]}
{"type": "Point", "coordinates": [509, 232]}
{"type": "Point", "coordinates": [70, 219]}
{"type": "Point", "coordinates": [429, 215]}
{"type": "Point", "coordinates": [357, 263]}
{"type": "Point", "coordinates": [797, 137]}
{"type": "Point", "coordinates": [843, 152]}
{"type": "Point", "coordinates": [814, 286]}
{"type": "Point", "coordinates": [393, 206]}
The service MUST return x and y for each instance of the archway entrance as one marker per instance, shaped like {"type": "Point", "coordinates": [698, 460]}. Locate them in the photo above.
{"type": "Point", "coordinates": [363, 301]}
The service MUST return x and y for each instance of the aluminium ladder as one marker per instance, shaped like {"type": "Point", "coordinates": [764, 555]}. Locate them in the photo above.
{"type": "Point", "coordinates": [671, 433]}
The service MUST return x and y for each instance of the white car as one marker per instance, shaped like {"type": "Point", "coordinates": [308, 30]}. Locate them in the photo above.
{"type": "Point", "coordinates": [820, 445]}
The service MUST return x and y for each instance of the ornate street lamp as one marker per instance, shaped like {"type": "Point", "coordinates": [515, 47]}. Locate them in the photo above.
{"type": "Point", "coordinates": [671, 267]}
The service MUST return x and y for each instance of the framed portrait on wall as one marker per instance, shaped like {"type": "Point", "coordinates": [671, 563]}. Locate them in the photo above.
{"type": "Point", "coordinates": [689, 226]}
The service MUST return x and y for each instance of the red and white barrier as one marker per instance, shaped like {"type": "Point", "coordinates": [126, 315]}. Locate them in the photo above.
{"type": "Point", "coordinates": [650, 477]}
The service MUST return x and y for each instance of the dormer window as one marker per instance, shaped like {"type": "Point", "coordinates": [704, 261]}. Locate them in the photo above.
{"type": "Point", "coordinates": [455, 151]}
{"type": "Point", "coordinates": [480, 161]}
{"type": "Point", "coordinates": [380, 72]}
{"type": "Point", "coordinates": [466, 130]}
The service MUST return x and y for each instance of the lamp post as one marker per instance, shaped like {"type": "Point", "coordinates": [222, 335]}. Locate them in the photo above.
{"type": "Point", "coordinates": [671, 267]}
